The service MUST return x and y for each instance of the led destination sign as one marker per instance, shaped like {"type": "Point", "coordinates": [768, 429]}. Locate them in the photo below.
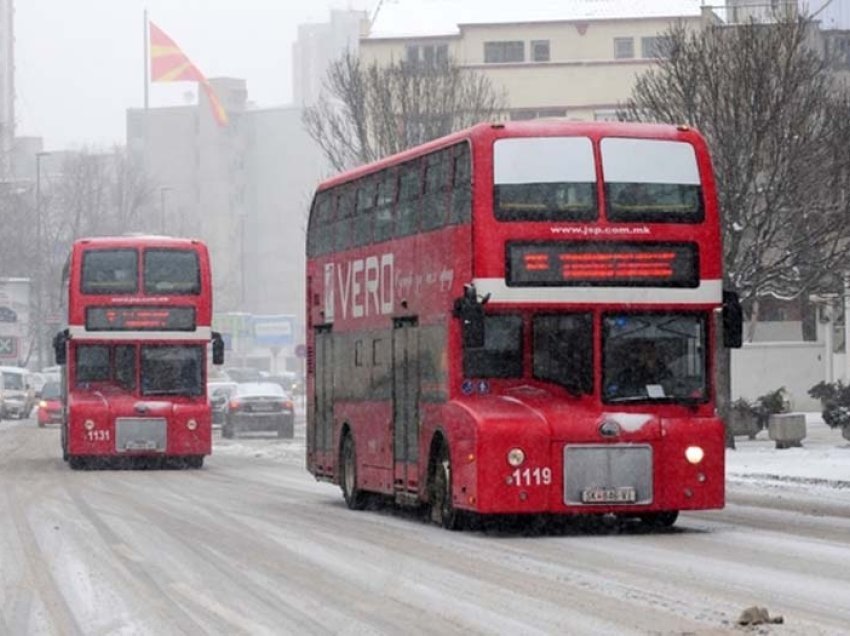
{"type": "Point", "coordinates": [602, 264]}
{"type": "Point", "coordinates": [134, 318]}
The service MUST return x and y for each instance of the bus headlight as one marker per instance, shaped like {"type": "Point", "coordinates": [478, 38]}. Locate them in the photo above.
{"type": "Point", "coordinates": [192, 425]}
{"type": "Point", "coordinates": [89, 425]}
{"type": "Point", "coordinates": [516, 457]}
{"type": "Point", "coordinates": [694, 454]}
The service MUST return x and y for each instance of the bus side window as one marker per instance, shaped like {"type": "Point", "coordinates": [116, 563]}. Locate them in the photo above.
{"type": "Point", "coordinates": [387, 189]}
{"type": "Point", "coordinates": [461, 196]}
{"type": "Point", "coordinates": [344, 214]}
{"type": "Point", "coordinates": [410, 191]}
{"type": "Point", "coordinates": [365, 213]}
{"type": "Point", "coordinates": [320, 239]}
{"type": "Point", "coordinates": [437, 182]}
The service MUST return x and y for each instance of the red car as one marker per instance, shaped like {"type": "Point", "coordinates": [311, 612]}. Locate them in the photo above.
{"type": "Point", "coordinates": [50, 405]}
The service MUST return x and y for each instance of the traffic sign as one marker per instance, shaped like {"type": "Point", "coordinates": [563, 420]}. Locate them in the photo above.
{"type": "Point", "coordinates": [274, 330]}
{"type": "Point", "coordinates": [8, 347]}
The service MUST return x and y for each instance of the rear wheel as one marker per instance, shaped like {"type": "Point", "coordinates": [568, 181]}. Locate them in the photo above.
{"type": "Point", "coordinates": [443, 512]}
{"type": "Point", "coordinates": [64, 436]}
{"type": "Point", "coordinates": [355, 498]}
{"type": "Point", "coordinates": [660, 519]}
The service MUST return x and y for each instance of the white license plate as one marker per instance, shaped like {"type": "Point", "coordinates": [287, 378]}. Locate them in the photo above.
{"type": "Point", "coordinates": [625, 494]}
{"type": "Point", "coordinates": [145, 444]}
{"type": "Point", "coordinates": [262, 407]}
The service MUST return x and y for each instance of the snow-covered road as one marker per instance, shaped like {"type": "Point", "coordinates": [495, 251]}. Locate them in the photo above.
{"type": "Point", "coordinates": [251, 544]}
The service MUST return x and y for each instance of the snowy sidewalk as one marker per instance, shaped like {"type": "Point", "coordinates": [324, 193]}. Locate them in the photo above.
{"type": "Point", "coordinates": [823, 459]}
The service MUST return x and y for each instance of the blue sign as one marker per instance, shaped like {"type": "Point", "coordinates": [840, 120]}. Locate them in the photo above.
{"type": "Point", "coordinates": [274, 331]}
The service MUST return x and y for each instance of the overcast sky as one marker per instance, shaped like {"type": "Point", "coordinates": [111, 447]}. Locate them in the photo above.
{"type": "Point", "coordinates": [80, 63]}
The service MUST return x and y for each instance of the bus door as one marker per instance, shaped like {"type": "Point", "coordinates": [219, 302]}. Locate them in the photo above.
{"type": "Point", "coordinates": [321, 437]}
{"type": "Point", "coordinates": [405, 403]}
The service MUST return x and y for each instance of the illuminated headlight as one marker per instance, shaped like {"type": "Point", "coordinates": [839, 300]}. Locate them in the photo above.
{"type": "Point", "coordinates": [694, 454]}
{"type": "Point", "coordinates": [192, 425]}
{"type": "Point", "coordinates": [89, 424]}
{"type": "Point", "coordinates": [516, 457]}
{"type": "Point", "coordinates": [42, 404]}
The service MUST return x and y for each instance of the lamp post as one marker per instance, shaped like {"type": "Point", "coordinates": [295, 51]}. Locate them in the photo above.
{"type": "Point", "coordinates": [162, 191]}
{"type": "Point", "coordinates": [39, 263]}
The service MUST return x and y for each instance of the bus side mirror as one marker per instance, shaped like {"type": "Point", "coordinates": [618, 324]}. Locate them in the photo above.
{"type": "Point", "coordinates": [60, 346]}
{"type": "Point", "coordinates": [217, 348]}
{"type": "Point", "coordinates": [471, 314]}
{"type": "Point", "coordinates": [733, 320]}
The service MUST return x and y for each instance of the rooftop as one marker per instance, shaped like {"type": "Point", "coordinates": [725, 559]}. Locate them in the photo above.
{"type": "Point", "coordinates": [405, 18]}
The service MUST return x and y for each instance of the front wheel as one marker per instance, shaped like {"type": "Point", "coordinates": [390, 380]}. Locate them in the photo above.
{"type": "Point", "coordinates": [443, 512]}
{"type": "Point", "coordinates": [355, 498]}
{"type": "Point", "coordinates": [194, 461]}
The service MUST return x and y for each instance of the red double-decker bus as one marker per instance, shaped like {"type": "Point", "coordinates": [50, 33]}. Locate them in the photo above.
{"type": "Point", "coordinates": [135, 350]}
{"type": "Point", "coordinates": [517, 319]}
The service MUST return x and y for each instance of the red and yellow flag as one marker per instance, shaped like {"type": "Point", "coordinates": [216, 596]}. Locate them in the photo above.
{"type": "Point", "coordinates": [170, 64]}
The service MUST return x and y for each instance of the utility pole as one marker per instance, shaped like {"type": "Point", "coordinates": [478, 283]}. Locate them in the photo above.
{"type": "Point", "coordinates": [39, 263]}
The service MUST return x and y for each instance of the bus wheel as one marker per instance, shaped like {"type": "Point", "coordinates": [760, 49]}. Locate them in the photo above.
{"type": "Point", "coordinates": [355, 498]}
{"type": "Point", "coordinates": [64, 436]}
{"type": "Point", "coordinates": [443, 512]}
{"type": "Point", "coordinates": [660, 519]}
{"type": "Point", "coordinates": [195, 461]}
{"type": "Point", "coordinates": [77, 463]}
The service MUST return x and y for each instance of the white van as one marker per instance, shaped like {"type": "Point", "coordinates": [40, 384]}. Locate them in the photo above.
{"type": "Point", "coordinates": [16, 392]}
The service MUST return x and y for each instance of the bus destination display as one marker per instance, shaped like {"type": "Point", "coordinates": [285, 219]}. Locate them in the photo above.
{"type": "Point", "coordinates": [602, 264]}
{"type": "Point", "coordinates": [140, 318]}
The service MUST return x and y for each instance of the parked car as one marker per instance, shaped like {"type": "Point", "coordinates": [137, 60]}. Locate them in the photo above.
{"type": "Point", "coordinates": [50, 409]}
{"type": "Point", "coordinates": [259, 406]}
{"type": "Point", "coordinates": [18, 394]}
{"type": "Point", "coordinates": [219, 394]}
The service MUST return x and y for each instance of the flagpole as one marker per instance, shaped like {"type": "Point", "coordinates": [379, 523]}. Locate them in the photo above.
{"type": "Point", "coordinates": [147, 56]}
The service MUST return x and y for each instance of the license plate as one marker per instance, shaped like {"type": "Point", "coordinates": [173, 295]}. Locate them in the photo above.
{"type": "Point", "coordinates": [625, 494]}
{"type": "Point", "coordinates": [145, 444]}
{"type": "Point", "coordinates": [262, 407]}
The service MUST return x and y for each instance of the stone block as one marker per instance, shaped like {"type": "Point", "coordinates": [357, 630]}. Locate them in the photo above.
{"type": "Point", "coordinates": [787, 429]}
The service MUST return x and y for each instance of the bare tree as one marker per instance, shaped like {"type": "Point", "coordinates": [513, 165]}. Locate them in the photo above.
{"type": "Point", "coordinates": [370, 111]}
{"type": "Point", "coordinates": [776, 122]}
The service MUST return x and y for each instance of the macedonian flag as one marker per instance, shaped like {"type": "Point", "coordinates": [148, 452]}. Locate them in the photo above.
{"type": "Point", "coordinates": [170, 64]}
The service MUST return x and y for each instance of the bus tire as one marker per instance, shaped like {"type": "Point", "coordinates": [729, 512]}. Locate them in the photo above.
{"type": "Point", "coordinates": [443, 512]}
{"type": "Point", "coordinates": [195, 461]}
{"type": "Point", "coordinates": [64, 436]}
{"type": "Point", "coordinates": [664, 519]}
{"type": "Point", "coordinates": [355, 498]}
{"type": "Point", "coordinates": [77, 463]}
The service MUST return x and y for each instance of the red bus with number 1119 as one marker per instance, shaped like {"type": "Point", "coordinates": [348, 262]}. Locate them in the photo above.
{"type": "Point", "coordinates": [134, 353]}
{"type": "Point", "coordinates": [518, 319]}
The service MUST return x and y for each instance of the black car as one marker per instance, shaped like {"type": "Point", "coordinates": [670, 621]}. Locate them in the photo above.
{"type": "Point", "coordinates": [259, 406]}
{"type": "Point", "coordinates": [219, 395]}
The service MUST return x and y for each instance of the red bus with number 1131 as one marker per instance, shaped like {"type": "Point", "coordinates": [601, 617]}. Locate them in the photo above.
{"type": "Point", "coordinates": [518, 319]}
{"type": "Point", "coordinates": [135, 350]}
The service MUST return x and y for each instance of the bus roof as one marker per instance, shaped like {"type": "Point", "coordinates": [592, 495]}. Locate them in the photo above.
{"type": "Point", "coordinates": [129, 240]}
{"type": "Point", "coordinates": [537, 127]}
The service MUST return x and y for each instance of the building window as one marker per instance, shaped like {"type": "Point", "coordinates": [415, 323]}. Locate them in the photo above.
{"type": "Point", "coordinates": [428, 55]}
{"type": "Point", "coordinates": [624, 48]}
{"type": "Point", "coordinates": [504, 52]}
{"type": "Point", "coordinates": [525, 114]}
{"type": "Point", "coordinates": [540, 50]}
{"type": "Point", "coordinates": [655, 47]}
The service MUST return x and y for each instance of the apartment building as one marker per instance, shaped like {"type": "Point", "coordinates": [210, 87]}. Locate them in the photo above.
{"type": "Point", "coordinates": [575, 59]}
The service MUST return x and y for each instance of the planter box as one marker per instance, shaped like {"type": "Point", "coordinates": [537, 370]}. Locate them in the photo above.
{"type": "Point", "coordinates": [787, 429]}
{"type": "Point", "coordinates": [741, 423]}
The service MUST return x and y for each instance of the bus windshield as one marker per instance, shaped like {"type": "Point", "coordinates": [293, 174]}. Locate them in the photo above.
{"type": "Point", "coordinates": [663, 187]}
{"type": "Point", "coordinates": [110, 271]}
{"type": "Point", "coordinates": [172, 370]}
{"type": "Point", "coordinates": [544, 179]}
{"type": "Point", "coordinates": [170, 271]}
{"type": "Point", "coordinates": [654, 356]}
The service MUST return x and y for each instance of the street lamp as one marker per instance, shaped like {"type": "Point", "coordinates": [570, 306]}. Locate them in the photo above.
{"type": "Point", "coordinates": [162, 191]}
{"type": "Point", "coordinates": [39, 262]}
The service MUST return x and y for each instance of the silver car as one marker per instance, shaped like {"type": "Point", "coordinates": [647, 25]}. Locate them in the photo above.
{"type": "Point", "coordinates": [259, 406]}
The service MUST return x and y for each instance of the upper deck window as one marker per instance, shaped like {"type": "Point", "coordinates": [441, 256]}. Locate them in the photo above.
{"type": "Point", "coordinates": [544, 179]}
{"type": "Point", "coordinates": [170, 271]}
{"type": "Point", "coordinates": [110, 271]}
{"type": "Point", "coordinates": [651, 180]}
